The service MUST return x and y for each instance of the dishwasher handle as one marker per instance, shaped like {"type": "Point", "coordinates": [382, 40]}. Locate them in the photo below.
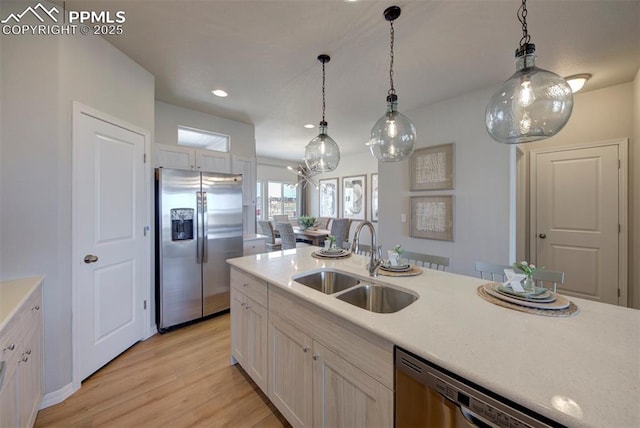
{"type": "Point", "coordinates": [473, 418]}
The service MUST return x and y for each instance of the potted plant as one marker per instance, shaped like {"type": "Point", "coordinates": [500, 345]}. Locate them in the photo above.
{"type": "Point", "coordinates": [306, 221]}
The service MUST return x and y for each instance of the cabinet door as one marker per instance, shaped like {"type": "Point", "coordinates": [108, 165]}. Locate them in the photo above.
{"type": "Point", "coordinates": [212, 161]}
{"type": "Point", "coordinates": [246, 167]}
{"type": "Point", "coordinates": [178, 157]}
{"type": "Point", "coordinates": [257, 335]}
{"type": "Point", "coordinates": [290, 367]}
{"type": "Point", "coordinates": [345, 396]}
{"type": "Point", "coordinates": [8, 399]}
{"type": "Point", "coordinates": [29, 379]}
{"type": "Point", "coordinates": [238, 327]}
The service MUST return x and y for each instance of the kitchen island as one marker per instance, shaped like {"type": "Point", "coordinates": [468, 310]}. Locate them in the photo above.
{"type": "Point", "coordinates": [582, 370]}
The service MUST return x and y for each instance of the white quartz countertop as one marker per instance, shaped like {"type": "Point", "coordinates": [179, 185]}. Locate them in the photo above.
{"type": "Point", "coordinates": [582, 370]}
{"type": "Point", "coordinates": [13, 293]}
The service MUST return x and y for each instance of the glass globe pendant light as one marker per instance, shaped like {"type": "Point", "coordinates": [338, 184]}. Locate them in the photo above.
{"type": "Point", "coordinates": [533, 104]}
{"type": "Point", "coordinates": [322, 154]}
{"type": "Point", "coordinates": [393, 136]}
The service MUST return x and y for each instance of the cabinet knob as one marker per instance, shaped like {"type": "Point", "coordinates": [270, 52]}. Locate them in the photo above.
{"type": "Point", "coordinates": [243, 304]}
{"type": "Point", "coordinates": [247, 307]}
{"type": "Point", "coordinates": [305, 349]}
{"type": "Point", "coordinates": [316, 356]}
{"type": "Point", "coordinates": [36, 308]}
{"type": "Point", "coordinates": [542, 236]}
{"type": "Point", "coordinates": [28, 352]}
{"type": "Point", "coordinates": [24, 358]}
{"type": "Point", "coordinates": [11, 347]}
{"type": "Point", "coordinates": [245, 285]}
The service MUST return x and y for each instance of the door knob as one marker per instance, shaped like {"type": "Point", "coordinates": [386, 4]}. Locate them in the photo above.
{"type": "Point", "coordinates": [542, 236]}
{"type": "Point", "coordinates": [90, 258]}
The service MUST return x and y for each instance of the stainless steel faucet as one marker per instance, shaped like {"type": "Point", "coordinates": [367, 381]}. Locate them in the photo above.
{"type": "Point", "coordinates": [375, 259]}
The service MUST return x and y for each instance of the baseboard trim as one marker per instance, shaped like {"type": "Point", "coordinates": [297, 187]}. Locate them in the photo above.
{"type": "Point", "coordinates": [56, 397]}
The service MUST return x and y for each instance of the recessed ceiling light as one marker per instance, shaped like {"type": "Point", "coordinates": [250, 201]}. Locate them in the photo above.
{"type": "Point", "coordinates": [219, 93]}
{"type": "Point", "coordinates": [350, 1]}
{"type": "Point", "coordinates": [309, 126]}
{"type": "Point", "coordinates": [577, 81]}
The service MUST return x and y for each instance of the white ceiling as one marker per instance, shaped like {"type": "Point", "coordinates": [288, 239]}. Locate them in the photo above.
{"type": "Point", "coordinates": [263, 53]}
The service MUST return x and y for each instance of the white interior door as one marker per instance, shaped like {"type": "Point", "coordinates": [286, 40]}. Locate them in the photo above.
{"type": "Point", "coordinates": [576, 214]}
{"type": "Point", "coordinates": [109, 252]}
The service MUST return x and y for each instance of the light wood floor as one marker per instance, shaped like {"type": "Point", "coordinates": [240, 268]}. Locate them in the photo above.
{"type": "Point", "coordinates": [178, 379]}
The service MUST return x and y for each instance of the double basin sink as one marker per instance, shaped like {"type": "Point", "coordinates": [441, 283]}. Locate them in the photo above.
{"type": "Point", "coordinates": [351, 289]}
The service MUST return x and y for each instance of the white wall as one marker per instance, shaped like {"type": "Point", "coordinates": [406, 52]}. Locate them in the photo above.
{"type": "Point", "coordinates": [482, 186]}
{"type": "Point", "coordinates": [168, 117]}
{"type": "Point", "coordinates": [41, 77]}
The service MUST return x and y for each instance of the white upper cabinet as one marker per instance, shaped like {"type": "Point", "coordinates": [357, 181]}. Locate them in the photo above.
{"type": "Point", "coordinates": [246, 167]}
{"type": "Point", "coordinates": [179, 157]}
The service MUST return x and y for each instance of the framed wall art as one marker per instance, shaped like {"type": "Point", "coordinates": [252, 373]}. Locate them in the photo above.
{"type": "Point", "coordinates": [432, 217]}
{"type": "Point", "coordinates": [354, 204]}
{"type": "Point", "coordinates": [431, 168]}
{"type": "Point", "coordinates": [328, 197]}
{"type": "Point", "coordinates": [374, 197]}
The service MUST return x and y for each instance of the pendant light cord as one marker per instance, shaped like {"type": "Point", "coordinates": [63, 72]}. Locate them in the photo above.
{"type": "Point", "coordinates": [323, 101]}
{"type": "Point", "coordinates": [392, 91]}
{"type": "Point", "coordinates": [522, 17]}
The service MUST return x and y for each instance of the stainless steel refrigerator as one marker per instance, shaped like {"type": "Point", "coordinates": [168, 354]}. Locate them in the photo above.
{"type": "Point", "coordinates": [198, 227]}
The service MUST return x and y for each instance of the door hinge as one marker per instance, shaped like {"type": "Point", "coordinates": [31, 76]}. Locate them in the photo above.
{"type": "Point", "coordinates": [619, 164]}
{"type": "Point", "coordinates": [145, 305]}
{"type": "Point", "coordinates": [619, 228]}
{"type": "Point", "coordinates": [144, 157]}
{"type": "Point", "coordinates": [145, 230]}
{"type": "Point", "coordinates": [618, 293]}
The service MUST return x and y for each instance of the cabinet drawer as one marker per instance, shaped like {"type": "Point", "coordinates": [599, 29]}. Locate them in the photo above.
{"type": "Point", "coordinates": [249, 285]}
{"type": "Point", "coordinates": [254, 247]}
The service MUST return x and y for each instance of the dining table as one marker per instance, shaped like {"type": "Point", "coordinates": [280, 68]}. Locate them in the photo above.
{"type": "Point", "coordinates": [316, 236]}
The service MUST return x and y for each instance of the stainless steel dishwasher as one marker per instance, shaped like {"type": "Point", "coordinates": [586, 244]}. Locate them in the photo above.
{"type": "Point", "coordinates": [429, 396]}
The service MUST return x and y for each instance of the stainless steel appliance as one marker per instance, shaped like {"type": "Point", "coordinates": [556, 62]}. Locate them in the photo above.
{"type": "Point", "coordinates": [198, 227]}
{"type": "Point", "coordinates": [429, 396]}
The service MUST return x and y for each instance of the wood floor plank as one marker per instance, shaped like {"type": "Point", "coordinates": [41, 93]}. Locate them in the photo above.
{"type": "Point", "coordinates": [179, 379]}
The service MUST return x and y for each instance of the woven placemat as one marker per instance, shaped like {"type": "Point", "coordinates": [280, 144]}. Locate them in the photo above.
{"type": "Point", "coordinates": [415, 270]}
{"type": "Point", "coordinates": [568, 312]}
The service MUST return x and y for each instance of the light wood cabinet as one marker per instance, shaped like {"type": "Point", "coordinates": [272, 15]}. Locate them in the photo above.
{"type": "Point", "coordinates": [21, 345]}
{"type": "Point", "coordinates": [322, 371]}
{"type": "Point", "coordinates": [249, 326]}
{"type": "Point", "coordinates": [180, 157]}
{"type": "Point", "coordinates": [290, 363]}
{"type": "Point", "coordinates": [344, 396]}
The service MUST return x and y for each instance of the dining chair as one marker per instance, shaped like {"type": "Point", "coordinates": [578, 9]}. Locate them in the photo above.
{"type": "Point", "coordinates": [280, 219]}
{"type": "Point", "coordinates": [323, 223]}
{"type": "Point", "coordinates": [288, 237]}
{"type": "Point", "coordinates": [266, 228]}
{"type": "Point", "coordinates": [492, 272]}
{"type": "Point", "coordinates": [426, 260]}
{"type": "Point", "coordinates": [364, 250]}
{"type": "Point", "coordinates": [340, 229]}
{"type": "Point", "coordinates": [548, 278]}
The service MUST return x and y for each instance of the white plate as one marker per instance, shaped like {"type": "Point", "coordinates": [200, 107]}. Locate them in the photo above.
{"type": "Point", "coordinates": [561, 302]}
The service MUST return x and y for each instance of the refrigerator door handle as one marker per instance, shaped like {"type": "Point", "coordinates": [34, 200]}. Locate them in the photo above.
{"type": "Point", "coordinates": [205, 230]}
{"type": "Point", "coordinates": [198, 226]}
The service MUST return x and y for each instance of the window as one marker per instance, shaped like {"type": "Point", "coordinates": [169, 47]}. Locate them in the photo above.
{"type": "Point", "coordinates": [203, 139]}
{"type": "Point", "coordinates": [282, 199]}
